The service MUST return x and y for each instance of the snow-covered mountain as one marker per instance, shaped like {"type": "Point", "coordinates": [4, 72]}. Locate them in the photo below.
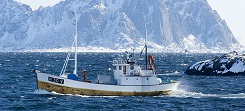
{"type": "Point", "coordinates": [228, 64]}
{"type": "Point", "coordinates": [115, 24]}
{"type": "Point", "coordinates": [13, 20]}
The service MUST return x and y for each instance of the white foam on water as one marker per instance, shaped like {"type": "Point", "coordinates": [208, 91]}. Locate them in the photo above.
{"type": "Point", "coordinates": [40, 91]}
{"type": "Point", "coordinates": [51, 98]}
{"type": "Point", "coordinates": [185, 94]}
{"type": "Point", "coordinates": [175, 93]}
{"type": "Point", "coordinates": [184, 64]}
{"type": "Point", "coordinates": [168, 74]}
{"type": "Point", "coordinates": [7, 60]}
{"type": "Point", "coordinates": [233, 96]}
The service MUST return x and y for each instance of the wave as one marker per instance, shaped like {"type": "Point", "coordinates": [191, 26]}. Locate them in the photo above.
{"type": "Point", "coordinates": [184, 64]}
{"type": "Point", "coordinates": [184, 94]}
{"type": "Point", "coordinates": [176, 93]}
{"type": "Point", "coordinates": [168, 74]}
{"type": "Point", "coordinates": [40, 91]}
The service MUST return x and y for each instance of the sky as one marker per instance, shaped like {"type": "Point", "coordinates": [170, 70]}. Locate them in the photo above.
{"type": "Point", "coordinates": [35, 4]}
{"type": "Point", "coordinates": [232, 11]}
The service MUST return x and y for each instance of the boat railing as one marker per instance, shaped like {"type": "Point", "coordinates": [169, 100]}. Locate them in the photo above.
{"type": "Point", "coordinates": [144, 67]}
{"type": "Point", "coordinates": [147, 67]}
{"type": "Point", "coordinates": [118, 61]}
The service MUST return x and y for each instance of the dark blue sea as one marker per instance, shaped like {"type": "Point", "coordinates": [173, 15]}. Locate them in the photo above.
{"type": "Point", "coordinates": [19, 89]}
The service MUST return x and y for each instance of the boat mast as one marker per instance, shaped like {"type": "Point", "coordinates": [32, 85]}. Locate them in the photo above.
{"type": "Point", "coordinates": [75, 70]}
{"type": "Point", "coordinates": [145, 45]}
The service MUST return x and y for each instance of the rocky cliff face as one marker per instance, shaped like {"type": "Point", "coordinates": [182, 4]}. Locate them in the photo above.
{"type": "Point", "coordinates": [229, 64]}
{"type": "Point", "coordinates": [115, 24]}
{"type": "Point", "coordinates": [13, 20]}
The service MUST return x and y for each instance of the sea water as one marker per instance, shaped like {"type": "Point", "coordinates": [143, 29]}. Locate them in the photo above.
{"type": "Point", "coordinates": [19, 89]}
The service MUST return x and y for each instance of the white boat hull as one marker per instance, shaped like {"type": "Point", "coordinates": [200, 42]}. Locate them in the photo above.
{"type": "Point", "coordinates": [67, 86]}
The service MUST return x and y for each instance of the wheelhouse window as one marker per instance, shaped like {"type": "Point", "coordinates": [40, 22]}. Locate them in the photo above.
{"type": "Point", "coordinates": [120, 67]}
{"type": "Point", "coordinates": [131, 67]}
{"type": "Point", "coordinates": [124, 69]}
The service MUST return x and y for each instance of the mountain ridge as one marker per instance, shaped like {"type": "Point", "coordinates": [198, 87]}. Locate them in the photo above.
{"type": "Point", "coordinates": [115, 24]}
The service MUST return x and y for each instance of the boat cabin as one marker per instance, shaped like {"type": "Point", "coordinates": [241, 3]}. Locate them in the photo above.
{"type": "Point", "coordinates": [127, 72]}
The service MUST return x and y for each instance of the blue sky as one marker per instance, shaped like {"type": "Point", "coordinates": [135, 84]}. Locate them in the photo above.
{"type": "Point", "coordinates": [232, 11]}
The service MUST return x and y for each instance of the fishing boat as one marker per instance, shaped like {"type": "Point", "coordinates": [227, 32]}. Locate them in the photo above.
{"type": "Point", "coordinates": [131, 79]}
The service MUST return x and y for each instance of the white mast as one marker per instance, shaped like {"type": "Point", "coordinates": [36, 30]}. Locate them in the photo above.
{"type": "Point", "coordinates": [74, 44]}
{"type": "Point", "coordinates": [75, 69]}
{"type": "Point", "coordinates": [146, 55]}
